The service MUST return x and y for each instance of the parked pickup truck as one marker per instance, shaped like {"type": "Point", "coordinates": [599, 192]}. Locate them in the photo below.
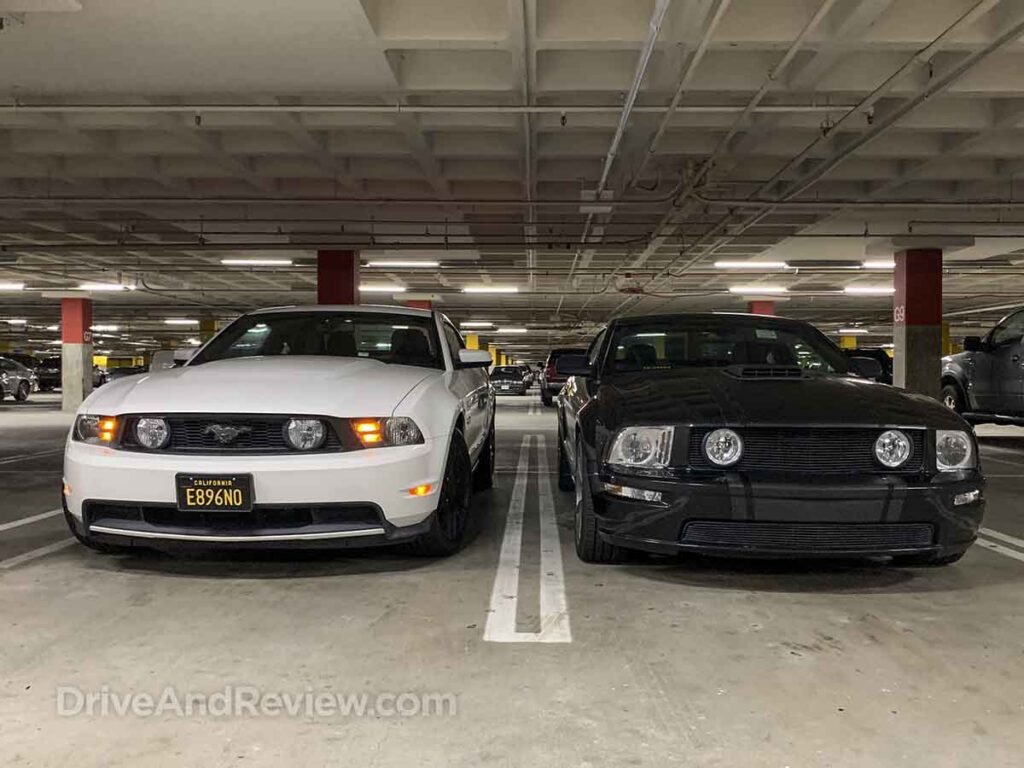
{"type": "Point", "coordinates": [985, 382]}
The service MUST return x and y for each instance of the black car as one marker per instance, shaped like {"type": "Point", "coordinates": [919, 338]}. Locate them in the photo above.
{"type": "Point", "coordinates": [551, 381]}
{"type": "Point", "coordinates": [985, 382]}
{"type": "Point", "coordinates": [48, 371]}
{"type": "Point", "coordinates": [509, 380]}
{"type": "Point", "coordinates": [751, 435]}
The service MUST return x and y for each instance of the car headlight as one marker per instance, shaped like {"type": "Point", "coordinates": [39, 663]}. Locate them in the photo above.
{"type": "Point", "coordinates": [305, 434]}
{"type": "Point", "coordinates": [954, 450]}
{"type": "Point", "coordinates": [723, 447]}
{"type": "Point", "coordinates": [382, 433]}
{"type": "Point", "coordinates": [97, 430]}
{"type": "Point", "coordinates": [893, 448]}
{"type": "Point", "coordinates": [642, 447]}
{"type": "Point", "coordinates": [152, 433]}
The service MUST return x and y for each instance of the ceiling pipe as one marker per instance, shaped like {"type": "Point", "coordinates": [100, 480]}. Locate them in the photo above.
{"type": "Point", "coordinates": [825, 204]}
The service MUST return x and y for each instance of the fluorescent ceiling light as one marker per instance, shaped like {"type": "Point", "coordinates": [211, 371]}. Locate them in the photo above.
{"type": "Point", "coordinates": [101, 287]}
{"type": "Point", "coordinates": [12, 286]}
{"type": "Point", "coordinates": [652, 335]}
{"type": "Point", "coordinates": [491, 289]}
{"type": "Point", "coordinates": [193, 342]}
{"type": "Point", "coordinates": [870, 290]}
{"type": "Point", "coordinates": [53, 327]}
{"type": "Point", "coordinates": [853, 331]}
{"type": "Point", "coordinates": [16, 322]}
{"type": "Point", "coordinates": [754, 265]}
{"type": "Point", "coordinates": [105, 327]}
{"type": "Point", "coordinates": [180, 321]}
{"type": "Point", "coordinates": [759, 290]}
{"type": "Point", "coordinates": [476, 324]}
{"type": "Point", "coordinates": [381, 289]}
{"type": "Point", "coordinates": [403, 264]}
{"type": "Point", "coordinates": [879, 265]}
{"type": "Point", "coordinates": [56, 343]}
{"type": "Point", "coordinates": [256, 262]}
{"type": "Point", "coordinates": [512, 330]}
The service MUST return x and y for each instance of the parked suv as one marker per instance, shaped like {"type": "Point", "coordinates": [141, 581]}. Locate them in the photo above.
{"type": "Point", "coordinates": [509, 380]}
{"type": "Point", "coordinates": [551, 382]}
{"type": "Point", "coordinates": [16, 380]}
{"type": "Point", "coordinates": [985, 382]}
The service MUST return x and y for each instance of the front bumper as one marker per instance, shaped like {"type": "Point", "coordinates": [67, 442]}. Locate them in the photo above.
{"type": "Point", "coordinates": [356, 497]}
{"type": "Point", "coordinates": [736, 515]}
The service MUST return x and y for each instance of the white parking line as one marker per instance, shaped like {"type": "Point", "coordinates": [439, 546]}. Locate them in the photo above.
{"type": "Point", "coordinates": [27, 456]}
{"type": "Point", "coordinates": [554, 612]}
{"type": "Point", "coordinates": [27, 520]}
{"type": "Point", "coordinates": [1002, 461]}
{"type": "Point", "coordinates": [32, 554]}
{"type": "Point", "coordinates": [991, 545]}
{"type": "Point", "coordinates": [1004, 537]}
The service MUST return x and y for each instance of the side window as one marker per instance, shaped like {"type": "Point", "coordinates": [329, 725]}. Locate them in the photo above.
{"type": "Point", "coordinates": [595, 348]}
{"type": "Point", "coordinates": [1010, 332]}
{"type": "Point", "coordinates": [6, 365]}
{"type": "Point", "coordinates": [455, 342]}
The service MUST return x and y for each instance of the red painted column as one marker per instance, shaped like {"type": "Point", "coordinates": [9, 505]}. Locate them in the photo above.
{"type": "Point", "coordinates": [917, 321]}
{"type": "Point", "coordinates": [418, 303]}
{"type": "Point", "coordinates": [76, 351]}
{"type": "Point", "coordinates": [761, 307]}
{"type": "Point", "coordinates": [337, 277]}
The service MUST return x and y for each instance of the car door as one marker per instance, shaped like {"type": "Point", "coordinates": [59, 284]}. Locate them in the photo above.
{"type": "Point", "coordinates": [472, 387]}
{"type": "Point", "coordinates": [1005, 360]}
{"type": "Point", "coordinates": [8, 377]}
{"type": "Point", "coordinates": [576, 394]}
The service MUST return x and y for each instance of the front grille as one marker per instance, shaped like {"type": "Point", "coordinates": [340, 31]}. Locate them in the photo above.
{"type": "Point", "coordinates": [262, 434]}
{"type": "Point", "coordinates": [833, 450]}
{"type": "Point", "coordinates": [808, 537]}
{"type": "Point", "coordinates": [261, 518]}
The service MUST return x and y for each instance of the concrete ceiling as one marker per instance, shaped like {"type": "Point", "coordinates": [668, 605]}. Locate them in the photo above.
{"type": "Point", "coordinates": [145, 143]}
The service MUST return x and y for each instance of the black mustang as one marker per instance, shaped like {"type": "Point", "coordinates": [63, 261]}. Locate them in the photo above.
{"type": "Point", "coordinates": [751, 435]}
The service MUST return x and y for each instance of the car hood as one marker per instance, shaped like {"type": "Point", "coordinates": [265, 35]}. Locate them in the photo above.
{"type": "Point", "coordinates": [714, 396]}
{"type": "Point", "coordinates": [328, 386]}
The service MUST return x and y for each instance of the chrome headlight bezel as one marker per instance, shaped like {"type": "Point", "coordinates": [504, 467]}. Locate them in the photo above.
{"type": "Point", "coordinates": [641, 447]}
{"type": "Point", "coordinates": [970, 458]}
{"type": "Point", "coordinates": [889, 438]}
{"type": "Point", "coordinates": [714, 438]}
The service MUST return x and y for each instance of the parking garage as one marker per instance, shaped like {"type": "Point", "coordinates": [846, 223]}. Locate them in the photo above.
{"type": "Point", "coordinates": [389, 209]}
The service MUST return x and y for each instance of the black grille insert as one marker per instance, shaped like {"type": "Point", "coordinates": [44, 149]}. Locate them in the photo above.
{"type": "Point", "coordinates": [831, 450]}
{"type": "Point", "coordinates": [257, 434]}
{"type": "Point", "coordinates": [808, 537]}
{"type": "Point", "coordinates": [261, 518]}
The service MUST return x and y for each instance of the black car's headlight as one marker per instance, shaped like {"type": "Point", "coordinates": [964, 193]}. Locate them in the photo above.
{"type": "Point", "coordinates": [385, 432]}
{"type": "Point", "coordinates": [954, 450]}
{"type": "Point", "coordinates": [893, 448]}
{"type": "Point", "coordinates": [723, 447]}
{"type": "Point", "coordinates": [648, 447]}
{"type": "Point", "coordinates": [96, 430]}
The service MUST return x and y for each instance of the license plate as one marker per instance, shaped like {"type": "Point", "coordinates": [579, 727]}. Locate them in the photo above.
{"type": "Point", "coordinates": [214, 493]}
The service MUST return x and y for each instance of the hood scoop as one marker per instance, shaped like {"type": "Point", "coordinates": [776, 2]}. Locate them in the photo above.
{"type": "Point", "coordinates": [765, 371]}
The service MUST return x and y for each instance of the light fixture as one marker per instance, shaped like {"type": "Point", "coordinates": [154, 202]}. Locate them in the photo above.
{"type": "Point", "coordinates": [180, 321]}
{"type": "Point", "coordinates": [855, 331]}
{"type": "Point", "coordinates": [381, 289]}
{"type": "Point", "coordinates": [869, 290]}
{"type": "Point", "coordinates": [193, 342]}
{"type": "Point", "coordinates": [16, 321]}
{"type": "Point", "coordinates": [476, 324]}
{"type": "Point", "coordinates": [256, 262]}
{"type": "Point", "coordinates": [397, 264]}
{"type": "Point", "coordinates": [754, 265]}
{"type": "Point", "coordinates": [101, 327]}
{"type": "Point", "coordinates": [758, 289]}
{"type": "Point", "coordinates": [512, 330]}
{"type": "Point", "coordinates": [101, 287]}
{"type": "Point", "coordinates": [12, 286]}
{"type": "Point", "coordinates": [53, 327]}
{"type": "Point", "coordinates": [879, 265]}
{"type": "Point", "coordinates": [491, 289]}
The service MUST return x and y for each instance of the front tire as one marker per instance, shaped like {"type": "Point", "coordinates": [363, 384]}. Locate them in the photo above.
{"type": "Point", "coordinates": [546, 398]}
{"type": "Point", "coordinates": [952, 398]}
{"type": "Point", "coordinates": [23, 391]}
{"type": "Point", "coordinates": [449, 524]}
{"type": "Point", "coordinates": [590, 547]}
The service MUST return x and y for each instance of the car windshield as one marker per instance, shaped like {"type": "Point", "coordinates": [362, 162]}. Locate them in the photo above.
{"type": "Point", "coordinates": [680, 342]}
{"type": "Point", "coordinates": [507, 370]}
{"type": "Point", "coordinates": [391, 338]}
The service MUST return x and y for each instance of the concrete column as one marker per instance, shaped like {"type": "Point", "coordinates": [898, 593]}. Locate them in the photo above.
{"type": "Point", "coordinates": [337, 277]}
{"type": "Point", "coordinates": [76, 351]}
{"type": "Point", "coordinates": [418, 304]}
{"type": "Point", "coordinates": [848, 342]}
{"type": "Point", "coordinates": [472, 341]}
{"type": "Point", "coordinates": [917, 320]}
{"type": "Point", "coordinates": [761, 307]}
{"type": "Point", "coordinates": [495, 354]}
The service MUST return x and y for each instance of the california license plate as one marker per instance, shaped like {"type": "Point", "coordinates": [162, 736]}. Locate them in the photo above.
{"type": "Point", "coordinates": [214, 493]}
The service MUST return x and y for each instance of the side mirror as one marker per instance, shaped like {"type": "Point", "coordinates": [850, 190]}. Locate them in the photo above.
{"type": "Point", "coordinates": [183, 354]}
{"type": "Point", "coordinates": [573, 365]}
{"type": "Point", "coordinates": [163, 360]}
{"type": "Point", "coordinates": [867, 367]}
{"type": "Point", "coordinates": [473, 358]}
{"type": "Point", "coordinates": [973, 344]}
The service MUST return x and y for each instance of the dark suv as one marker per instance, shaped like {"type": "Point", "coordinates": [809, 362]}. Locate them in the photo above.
{"type": "Point", "coordinates": [985, 382]}
{"type": "Point", "coordinates": [551, 381]}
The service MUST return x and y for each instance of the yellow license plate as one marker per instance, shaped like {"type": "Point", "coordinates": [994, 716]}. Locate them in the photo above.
{"type": "Point", "coordinates": [214, 493]}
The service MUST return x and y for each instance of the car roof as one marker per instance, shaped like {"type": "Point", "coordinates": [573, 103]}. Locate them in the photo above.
{"type": "Point", "coordinates": [358, 308]}
{"type": "Point", "coordinates": [742, 318]}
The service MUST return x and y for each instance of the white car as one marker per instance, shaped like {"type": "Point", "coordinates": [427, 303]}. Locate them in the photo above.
{"type": "Point", "coordinates": [295, 426]}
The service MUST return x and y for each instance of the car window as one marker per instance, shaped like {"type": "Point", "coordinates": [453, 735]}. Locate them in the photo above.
{"type": "Point", "coordinates": [455, 342]}
{"type": "Point", "coordinates": [595, 348]}
{"type": "Point", "coordinates": [1010, 331]}
{"type": "Point", "coordinates": [390, 338]}
{"type": "Point", "coordinates": [7, 365]}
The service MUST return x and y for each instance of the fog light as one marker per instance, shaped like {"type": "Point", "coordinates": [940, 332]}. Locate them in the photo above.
{"type": "Point", "coordinates": [966, 498]}
{"type": "Point", "coordinates": [639, 494]}
{"type": "Point", "coordinates": [421, 490]}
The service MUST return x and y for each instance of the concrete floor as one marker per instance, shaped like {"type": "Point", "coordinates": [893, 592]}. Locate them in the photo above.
{"type": "Point", "coordinates": [695, 662]}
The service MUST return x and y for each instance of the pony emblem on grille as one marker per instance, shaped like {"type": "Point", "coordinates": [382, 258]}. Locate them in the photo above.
{"type": "Point", "coordinates": [226, 434]}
